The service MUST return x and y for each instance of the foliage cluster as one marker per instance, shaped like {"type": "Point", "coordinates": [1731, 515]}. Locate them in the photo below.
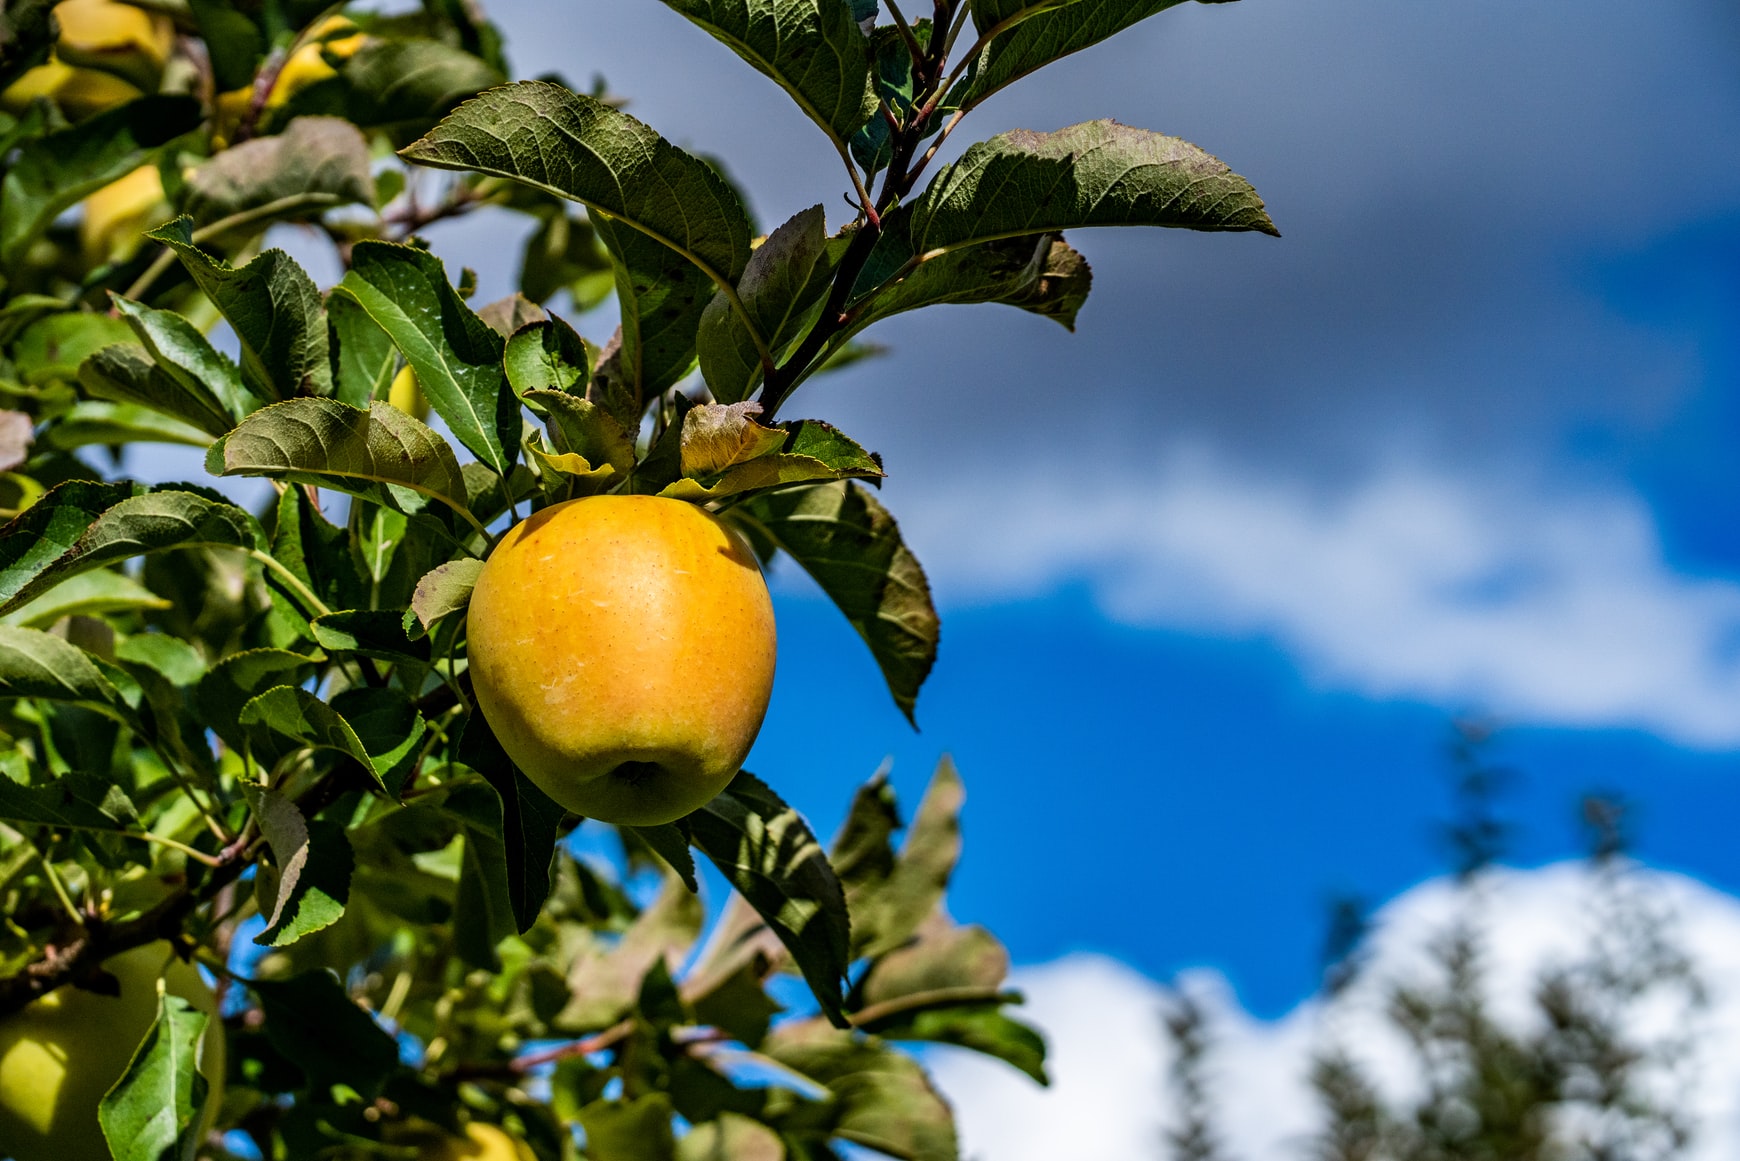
{"type": "Point", "coordinates": [251, 733]}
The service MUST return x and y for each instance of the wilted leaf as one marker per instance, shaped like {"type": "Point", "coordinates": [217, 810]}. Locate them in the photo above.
{"type": "Point", "coordinates": [16, 434]}
{"type": "Point", "coordinates": [153, 1111]}
{"type": "Point", "coordinates": [1042, 275]}
{"type": "Point", "coordinates": [443, 590]}
{"type": "Point", "coordinates": [887, 911]}
{"type": "Point", "coordinates": [851, 546]}
{"type": "Point", "coordinates": [718, 436]}
{"type": "Point", "coordinates": [456, 355]}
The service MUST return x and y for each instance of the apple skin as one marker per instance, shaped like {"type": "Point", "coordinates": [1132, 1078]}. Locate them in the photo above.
{"type": "Point", "coordinates": [62, 1053]}
{"type": "Point", "coordinates": [481, 1143]}
{"type": "Point", "coordinates": [622, 649]}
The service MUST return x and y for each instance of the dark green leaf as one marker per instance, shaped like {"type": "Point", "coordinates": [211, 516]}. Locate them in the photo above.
{"type": "Point", "coordinates": [316, 163]}
{"type": "Point", "coordinates": [316, 551]}
{"type": "Point", "coordinates": [581, 148]}
{"type": "Point", "coordinates": [989, 14]}
{"type": "Point", "coordinates": [886, 911]}
{"type": "Point", "coordinates": [315, 1025]}
{"type": "Point", "coordinates": [377, 633]}
{"type": "Point", "coordinates": [670, 842]}
{"type": "Point", "coordinates": [237, 679]}
{"type": "Point", "coordinates": [132, 527]}
{"type": "Point", "coordinates": [234, 42]}
{"type": "Point", "coordinates": [1098, 173]}
{"type": "Point", "coordinates": [1043, 275]}
{"type": "Point", "coordinates": [48, 529]}
{"type": "Point", "coordinates": [548, 356]}
{"type": "Point", "coordinates": [126, 373]}
{"type": "Point", "coordinates": [663, 298]}
{"type": "Point", "coordinates": [75, 800]}
{"type": "Point", "coordinates": [382, 453]}
{"type": "Point", "coordinates": [56, 171]}
{"type": "Point", "coordinates": [483, 913]}
{"type": "Point", "coordinates": [638, 1130]}
{"type": "Point", "coordinates": [364, 357]}
{"type": "Point", "coordinates": [777, 294]}
{"type": "Point", "coordinates": [456, 355]}
{"type": "Point", "coordinates": [769, 854]}
{"type": "Point", "coordinates": [275, 310]}
{"type": "Point", "coordinates": [851, 546]}
{"type": "Point", "coordinates": [1048, 36]}
{"type": "Point", "coordinates": [402, 85]}
{"type": "Point", "coordinates": [563, 253]}
{"type": "Point", "coordinates": [813, 49]}
{"type": "Point", "coordinates": [27, 34]}
{"type": "Point", "coordinates": [531, 821]}
{"type": "Point", "coordinates": [390, 730]}
{"type": "Point", "coordinates": [187, 356]}
{"type": "Point", "coordinates": [153, 1111]}
{"type": "Point", "coordinates": [294, 714]}
{"type": "Point", "coordinates": [307, 885]}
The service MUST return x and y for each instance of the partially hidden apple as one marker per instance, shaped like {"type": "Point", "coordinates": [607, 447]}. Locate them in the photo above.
{"type": "Point", "coordinates": [63, 1052]}
{"type": "Point", "coordinates": [622, 649]}
{"type": "Point", "coordinates": [481, 1143]}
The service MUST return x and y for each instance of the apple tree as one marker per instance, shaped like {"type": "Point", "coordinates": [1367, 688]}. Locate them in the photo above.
{"type": "Point", "coordinates": [243, 732]}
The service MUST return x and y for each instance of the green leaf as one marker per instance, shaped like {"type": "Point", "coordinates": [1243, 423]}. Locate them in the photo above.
{"type": "Point", "coordinates": [27, 35]}
{"type": "Point", "coordinates": [770, 855]}
{"type": "Point", "coordinates": [237, 679]}
{"type": "Point", "coordinates": [581, 428]}
{"type": "Point", "coordinates": [303, 719]}
{"type": "Point", "coordinates": [778, 295]}
{"type": "Point", "coordinates": [308, 883]}
{"type": "Point", "coordinates": [483, 913]}
{"type": "Point", "coordinates": [91, 594]}
{"type": "Point", "coordinates": [531, 822]}
{"type": "Point", "coordinates": [663, 298]}
{"type": "Point", "coordinates": [234, 43]}
{"type": "Point", "coordinates": [317, 552]}
{"type": "Point", "coordinates": [988, 14]}
{"type": "Point", "coordinates": [116, 425]}
{"type": "Point", "coordinates": [887, 909]}
{"type": "Point", "coordinates": [873, 144]}
{"type": "Point", "coordinates": [944, 960]}
{"type": "Point", "coordinates": [75, 800]}
{"type": "Point", "coordinates": [813, 49]}
{"type": "Point", "coordinates": [563, 253]}
{"type": "Point", "coordinates": [731, 1137]}
{"type": "Point", "coordinates": [851, 546]}
{"type": "Point", "coordinates": [443, 590]}
{"type": "Point", "coordinates": [883, 1100]}
{"type": "Point", "coordinates": [637, 1130]}
{"type": "Point", "coordinates": [314, 164]}
{"type": "Point", "coordinates": [1045, 37]}
{"type": "Point", "coordinates": [980, 1027]}
{"type": "Point", "coordinates": [315, 1025]}
{"type": "Point", "coordinates": [1043, 275]}
{"type": "Point", "coordinates": [46, 545]}
{"type": "Point", "coordinates": [768, 472]}
{"type": "Point", "coordinates": [457, 357]}
{"type": "Point", "coordinates": [153, 1111]}
{"type": "Point", "coordinates": [401, 85]}
{"type": "Point", "coordinates": [54, 172]}
{"type": "Point", "coordinates": [126, 373]}
{"type": "Point", "coordinates": [274, 308]}
{"type": "Point", "coordinates": [390, 730]}
{"type": "Point", "coordinates": [671, 843]}
{"type": "Point", "coordinates": [187, 356]}
{"type": "Point", "coordinates": [50, 349]}
{"type": "Point", "coordinates": [605, 979]}
{"type": "Point", "coordinates": [1098, 173]}
{"type": "Point", "coordinates": [366, 358]}
{"type": "Point", "coordinates": [548, 356]}
{"type": "Point", "coordinates": [381, 454]}
{"type": "Point", "coordinates": [376, 633]}
{"type": "Point", "coordinates": [581, 148]}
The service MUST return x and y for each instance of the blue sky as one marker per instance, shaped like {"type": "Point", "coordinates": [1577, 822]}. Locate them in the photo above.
{"type": "Point", "coordinates": [1218, 571]}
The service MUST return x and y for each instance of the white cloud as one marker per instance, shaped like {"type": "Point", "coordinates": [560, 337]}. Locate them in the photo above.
{"type": "Point", "coordinates": [1543, 608]}
{"type": "Point", "coordinates": [1108, 1101]}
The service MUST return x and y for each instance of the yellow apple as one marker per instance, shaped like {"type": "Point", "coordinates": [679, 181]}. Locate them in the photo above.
{"type": "Point", "coordinates": [63, 1052]}
{"type": "Point", "coordinates": [481, 1143]}
{"type": "Point", "coordinates": [622, 649]}
{"type": "Point", "coordinates": [333, 38]}
{"type": "Point", "coordinates": [80, 93]}
{"type": "Point", "coordinates": [116, 215]}
{"type": "Point", "coordinates": [115, 38]}
{"type": "Point", "coordinates": [407, 395]}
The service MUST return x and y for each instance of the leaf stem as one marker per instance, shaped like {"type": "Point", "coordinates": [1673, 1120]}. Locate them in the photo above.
{"type": "Point", "coordinates": [60, 891]}
{"type": "Point", "coordinates": [293, 582]}
{"type": "Point", "coordinates": [222, 226]}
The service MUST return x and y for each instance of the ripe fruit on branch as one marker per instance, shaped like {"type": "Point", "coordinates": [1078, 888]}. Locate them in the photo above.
{"type": "Point", "coordinates": [59, 1055]}
{"type": "Point", "coordinates": [622, 649]}
{"type": "Point", "coordinates": [107, 53]}
{"type": "Point", "coordinates": [481, 1143]}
